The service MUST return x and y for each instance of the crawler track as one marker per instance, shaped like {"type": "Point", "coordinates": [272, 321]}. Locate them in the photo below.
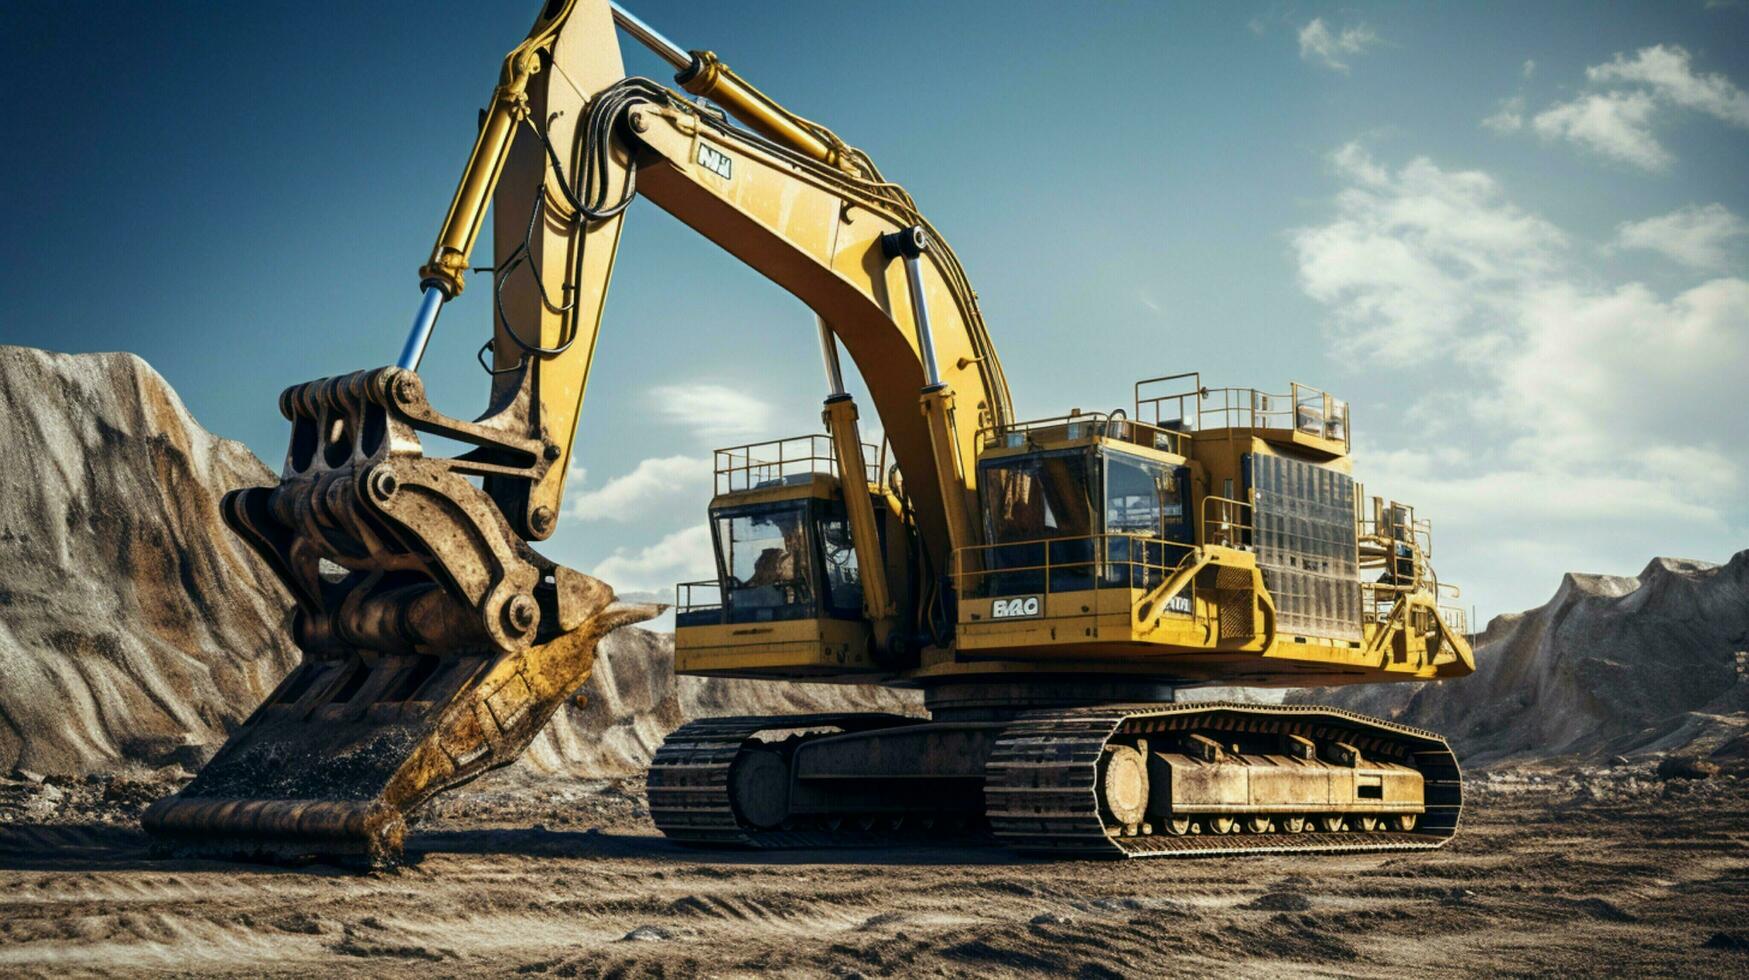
{"type": "Point", "coordinates": [688, 787]}
{"type": "Point", "coordinates": [1040, 781]}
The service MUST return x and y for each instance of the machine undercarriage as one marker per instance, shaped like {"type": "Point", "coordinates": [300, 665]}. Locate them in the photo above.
{"type": "Point", "coordinates": [1113, 780]}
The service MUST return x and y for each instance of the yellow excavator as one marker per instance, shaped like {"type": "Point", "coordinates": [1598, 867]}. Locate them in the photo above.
{"type": "Point", "coordinates": [1050, 585]}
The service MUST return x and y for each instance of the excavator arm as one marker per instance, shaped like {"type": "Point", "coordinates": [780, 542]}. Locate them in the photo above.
{"type": "Point", "coordinates": [565, 145]}
{"type": "Point", "coordinates": [437, 642]}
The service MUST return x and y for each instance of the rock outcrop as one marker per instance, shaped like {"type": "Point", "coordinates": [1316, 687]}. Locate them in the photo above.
{"type": "Point", "coordinates": [134, 627]}
{"type": "Point", "coordinates": [1609, 666]}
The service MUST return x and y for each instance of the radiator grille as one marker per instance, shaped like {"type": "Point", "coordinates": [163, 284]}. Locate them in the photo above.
{"type": "Point", "coordinates": [1304, 534]}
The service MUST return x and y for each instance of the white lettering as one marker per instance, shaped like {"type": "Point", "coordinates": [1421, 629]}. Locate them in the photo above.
{"type": "Point", "coordinates": [715, 161]}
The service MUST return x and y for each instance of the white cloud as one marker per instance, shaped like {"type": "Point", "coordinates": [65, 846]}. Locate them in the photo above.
{"type": "Point", "coordinates": [1614, 124]}
{"type": "Point", "coordinates": [1604, 409]}
{"type": "Point", "coordinates": [1415, 258]}
{"type": "Point", "coordinates": [1529, 68]}
{"type": "Point", "coordinates": [713, 411]}
{"type": "Point", "coordinates": [1698, 237]}
{"type": "Point", "coordinates": [684, 556]}
{"type": "Point", "coordinates": [1445, 486]}
{"type": "Point", "coordinates": [663, 485]}
{"type": "Point", "coordinates": [1665, 69]}
{"type": "Point", "coordinates": [1597, 371]}
{"type": "Point", "coordinates": [1509, 118]}
{"type": "Point", "coordinates": [1318, 43]}
{"type": "Point", "coordinates": [1630, 95]}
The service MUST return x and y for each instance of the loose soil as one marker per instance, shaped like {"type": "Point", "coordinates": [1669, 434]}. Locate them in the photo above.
{"type": "Point", "coordinates": [1554, 871]}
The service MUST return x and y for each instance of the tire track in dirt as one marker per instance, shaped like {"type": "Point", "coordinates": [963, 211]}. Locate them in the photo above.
{"type": "Point", "coordinates": [1537, 881]}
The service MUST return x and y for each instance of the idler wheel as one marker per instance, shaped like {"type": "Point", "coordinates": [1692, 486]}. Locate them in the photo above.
{"type": "Point", "coordinates": [759, 788]}
{"type": "Point", "coordinates": [1124, 785]}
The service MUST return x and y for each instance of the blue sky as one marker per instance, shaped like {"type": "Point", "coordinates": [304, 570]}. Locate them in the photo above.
{"type": "Point", "coordinates": [1512, 235]}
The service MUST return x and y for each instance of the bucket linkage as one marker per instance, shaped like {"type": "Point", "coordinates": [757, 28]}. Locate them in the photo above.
{"type": "Point", "coordinates": [436, 643]}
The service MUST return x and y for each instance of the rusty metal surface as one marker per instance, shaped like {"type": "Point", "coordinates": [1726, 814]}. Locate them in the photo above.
{"type": "Point", "coordinates": [1064, 782]}
{"type": "Point", "coordinates": [436, 642]}
{"type": "Point", "coordinates": [1042, 793]}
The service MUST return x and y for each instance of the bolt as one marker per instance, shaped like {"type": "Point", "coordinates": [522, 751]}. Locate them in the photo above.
{"type": "Point", "coordinates": [639, 123]}
{"type": "Point", "coordinates": [542, 519]}
{"type": "Point", "coordinates": [551, 452]}
{"type": "Point", "coordinates": [406, 389]}
{"type": "Point", "coordinates": [521, 613]}
{"type": "Point", "coordinates": [383, 483]}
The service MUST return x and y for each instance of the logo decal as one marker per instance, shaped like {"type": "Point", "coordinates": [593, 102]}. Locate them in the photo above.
{"type": "Point", "coordinates": [716, 161]}
{"type": "Point", "coordinates": [1019, 607]}
{"type": "Point", "coordinates": [1179, 603]}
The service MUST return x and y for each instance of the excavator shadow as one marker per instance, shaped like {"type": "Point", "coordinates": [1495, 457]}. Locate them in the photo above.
{"type": "Point", "coordinates": [107, 847]}
{"type": "Point", "coordinates": [594, 843]}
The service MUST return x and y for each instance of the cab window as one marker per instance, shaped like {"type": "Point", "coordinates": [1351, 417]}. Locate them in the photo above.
{"type": "Point", "coordinates": [843, 579]}
{"type": "Point", "coordinates": [1145, 497]}
{"type": "Point", "coordinates": [767, 568]}
{"type": "Point", "coordinates": [1048, 495]}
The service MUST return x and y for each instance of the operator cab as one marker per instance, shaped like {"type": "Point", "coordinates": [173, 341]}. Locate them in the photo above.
{"type": "Point", "coordinates": [1080, 502]}
{"type": "Point", "coordinates": [783, 555]}
{"type": "Point", "coordinates": [787, 597]}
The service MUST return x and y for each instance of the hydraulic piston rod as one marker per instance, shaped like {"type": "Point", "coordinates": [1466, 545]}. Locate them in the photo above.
{"type": "Point", "coordinates": [649, 37]}
{"type": "Point", "coordinates": [829, 354]}
{"type": "Point", "coordinates": [702, 74]}
{"type": "Point", "coordinates": [910, 244]}
{"type": "Point", "coordinates": [423, 323]}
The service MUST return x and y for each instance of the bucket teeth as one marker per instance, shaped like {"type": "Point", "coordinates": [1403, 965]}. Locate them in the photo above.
{"type": "Point", "coordinates": [315, 774]}
{"type": "Point", "coordinates": [436, 642]}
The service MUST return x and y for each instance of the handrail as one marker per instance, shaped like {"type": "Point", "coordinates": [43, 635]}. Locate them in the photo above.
{"type": "Point", "coordinates": [683, 597]}
{"type": "Point", "coordinates": [738, 468]}
{"type": "Point", "coordinates": [1196, 391]}
{"type": "Point", "coordinates": [1109, 425]}
{"type": "Point", "coordinates": [969, 570]}
{"type": "Point", "coordinates": [1302, 408]}
{"type": "Point", "coordinates": [1457, 619]}
{"type": "Point", "coordinates": [1234, 516]}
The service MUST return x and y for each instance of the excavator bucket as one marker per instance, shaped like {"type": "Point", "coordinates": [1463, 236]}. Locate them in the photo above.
{"type": "Point", "coordinates": [436, 643]}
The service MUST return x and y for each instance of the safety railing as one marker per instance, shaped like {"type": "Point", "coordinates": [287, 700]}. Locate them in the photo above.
{"type": "Point", "coordinates": [1165, 403]}
{"type": "Point", "coordinates": [1177, 408]}
{"type": "Point", "coordinates": [687, 595]}
{"type": "Point", "coordinates": [1394, 522]}
{"type": "Point", "coordinates": [698, 603]}
{"type": "Point", "coordinates": [1226, 522]}
{"type": "Point", "coordinates": [1377, 600]}
{"type": "Point", "coordinates": [1456, 618]}
{"type": "Point", "coordinates": [1069, 564]}
{"type": "Point", "coordinates": [1115, 425]}
{"type": "Point", "coordinates": [772, 463]}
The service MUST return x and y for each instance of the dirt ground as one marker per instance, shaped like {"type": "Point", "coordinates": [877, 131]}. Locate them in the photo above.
{"type": "Point", "coordinates": [1592, 871]}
